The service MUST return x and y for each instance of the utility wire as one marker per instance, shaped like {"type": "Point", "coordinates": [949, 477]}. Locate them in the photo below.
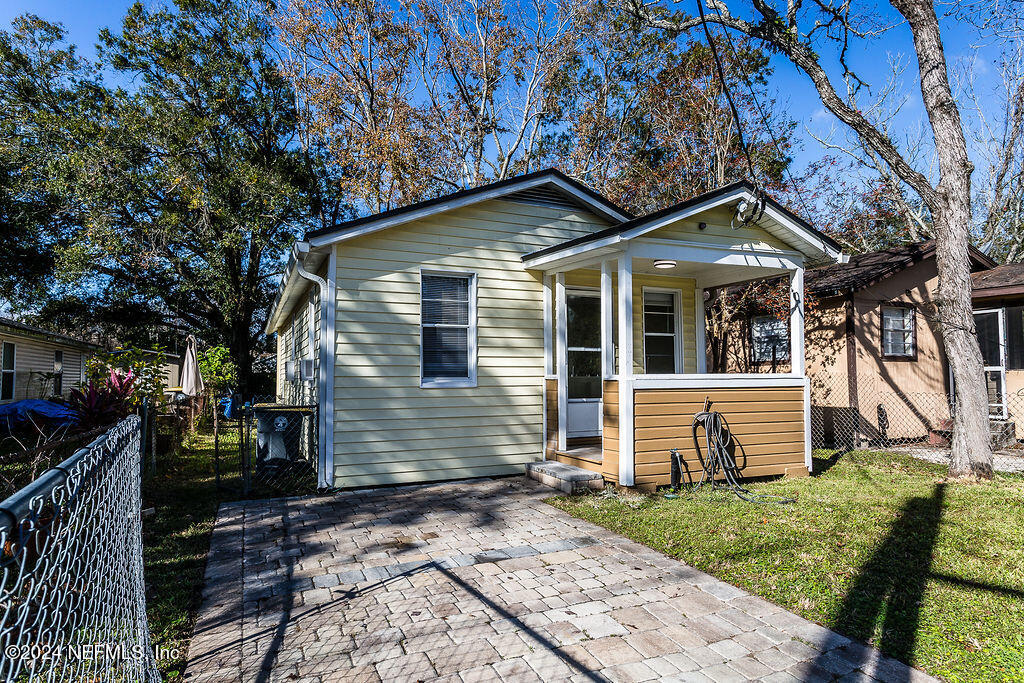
{"type": "Point", "coordinates": [757, 105]}
{"type": "Point", "coordinates": [728, 95]}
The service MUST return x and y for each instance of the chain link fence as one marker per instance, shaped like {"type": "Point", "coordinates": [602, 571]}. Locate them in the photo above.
{"type": "Point", "coordinates": [877, 415]}
{"type": "Point", "coordinates": [72, 595]}
{"type": "Point", "coordinates": [265, 447]}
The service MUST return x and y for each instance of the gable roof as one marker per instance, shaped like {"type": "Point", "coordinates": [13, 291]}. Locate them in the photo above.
{"type": "Point", "coordinates": [864, 270]}
{"type": "Point", "coordinates": [734, 191]}
{"type": "Point", "coordinates": [552, 179]}
{"type": "Point", "coordinates": [1004, 280]}
{"type": "Point", "coordinates": [25, 330]}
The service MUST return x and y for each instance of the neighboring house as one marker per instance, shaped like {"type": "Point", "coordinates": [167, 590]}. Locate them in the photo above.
{"type": "Point", "coordinates": [998, 299]}
{"type": "Point", "coordinates": [469, 335]}
{"type": "Point", "coordinates": [36, 363]}
{"type": "Point", "coordinates": [874, 351]}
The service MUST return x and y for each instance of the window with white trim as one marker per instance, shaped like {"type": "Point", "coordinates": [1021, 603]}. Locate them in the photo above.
{"type": "Point", "coordinates": [447, 329]}
{"type": "Point", "coordinates": [661, 332]}
{"type": "Point", "coordinates": [58, 372]}
{"type": "Point", "coordinates": [769, 339]}
{"type": "Point", "coordinates": [7, 361]}
{"type": "Point", "coordinates": [898, 331]}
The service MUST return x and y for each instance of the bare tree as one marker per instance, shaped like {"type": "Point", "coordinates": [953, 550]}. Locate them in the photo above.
{"type": "Point", "coordinates": [798, 32]}
{"type": "Point", "coordinates": [995, 126]}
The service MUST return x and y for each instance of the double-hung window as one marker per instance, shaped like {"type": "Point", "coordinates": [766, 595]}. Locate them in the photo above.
{"type": "Point", "coordinates": [898, 331]}
{"type": "Point", "coordinates": [58, 373]}
{"type": "Point", "coordinates": [661, 332]}
{"type": "Point", "coordinates": [447, 329]}
{"type": "Point", "coordinates": [7, 360]}
{"type": "Point", "coordinates": [769, 339]}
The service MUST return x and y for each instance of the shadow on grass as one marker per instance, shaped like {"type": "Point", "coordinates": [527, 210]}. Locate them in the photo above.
{"type": "Point", "coordinates": [890, 586]}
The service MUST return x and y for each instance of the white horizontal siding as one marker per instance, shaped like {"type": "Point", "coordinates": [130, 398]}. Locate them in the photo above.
{"type": "Point", "coordinates": [34, 356]}
{"type": "Point", "coordinates": [389, 430]}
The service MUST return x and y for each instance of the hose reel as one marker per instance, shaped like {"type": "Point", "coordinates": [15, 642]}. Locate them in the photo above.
{"type": "Point", "coordinates": [717, 460]}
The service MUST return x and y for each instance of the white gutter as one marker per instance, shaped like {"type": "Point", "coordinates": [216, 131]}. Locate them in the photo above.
{"type": "Point", "coordinates": [324, 472]}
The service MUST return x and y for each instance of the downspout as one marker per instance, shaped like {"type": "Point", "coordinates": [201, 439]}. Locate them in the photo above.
{"type": "Point", "coordinates": [324, 478]}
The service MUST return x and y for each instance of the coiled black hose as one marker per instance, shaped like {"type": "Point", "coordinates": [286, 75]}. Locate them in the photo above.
{"type": "Point", "coordinates": [716, 459]}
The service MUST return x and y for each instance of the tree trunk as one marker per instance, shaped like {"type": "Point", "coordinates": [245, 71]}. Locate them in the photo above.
{"type": "Point", "coordinates": [972, 445]}
{"type": "Point", "coordinates": [951, 211]}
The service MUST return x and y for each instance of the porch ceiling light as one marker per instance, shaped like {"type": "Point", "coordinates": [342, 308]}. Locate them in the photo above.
{"type": "Point", "coordinates": [664, 263]}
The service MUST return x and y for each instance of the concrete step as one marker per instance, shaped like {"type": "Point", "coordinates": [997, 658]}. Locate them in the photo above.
{"type": "Point", "coordinates": [565, 478]}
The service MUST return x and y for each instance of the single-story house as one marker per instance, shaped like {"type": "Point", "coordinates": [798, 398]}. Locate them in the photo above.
{"type": "Point", "coordinates": [532, 318]}
{"type": "Point", "coordinates": [874, 352]}
{"type": "Point", "coordinates": [37, 363]}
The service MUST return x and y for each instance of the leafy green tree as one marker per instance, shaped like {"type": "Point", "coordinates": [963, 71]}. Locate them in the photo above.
{"type": "Point", "coordinates": [44, 85]}
{"type": "Point", "coordinates": [194, 183]}
{"type": "Point", "coordinates": [218, 370]}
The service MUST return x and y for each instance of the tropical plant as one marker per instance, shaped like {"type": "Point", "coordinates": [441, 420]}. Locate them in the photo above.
{"type": "Point", "coordinates": [99, 404]}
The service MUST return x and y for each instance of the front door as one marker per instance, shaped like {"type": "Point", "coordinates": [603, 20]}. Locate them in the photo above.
{"type": "Point", "coordinates": [583, 349]}
{"type": "Point", "coordinates": [991, 335]}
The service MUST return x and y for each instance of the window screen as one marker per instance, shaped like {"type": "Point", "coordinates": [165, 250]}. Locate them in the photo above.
{"type": "Point", "coordinates": [987, 326]}
{"type": "Point", "coordinates": [769, 339]}
{"type": "Point", "coordinates": [447, 330]}
{"type": "Point", "coordinates": [660, 333]}
{"type": "Point", "coordinates": [583, 341]}
{"type": "Point", "coordinates": [1015, 338]}
{"type": "Point", "coordinates": [897, 331]}
{"type": "Point", "coordinates": [7, 353]}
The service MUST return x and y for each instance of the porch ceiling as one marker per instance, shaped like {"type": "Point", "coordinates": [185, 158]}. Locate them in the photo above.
{"type": "Point", "coordinates": [708, 274]}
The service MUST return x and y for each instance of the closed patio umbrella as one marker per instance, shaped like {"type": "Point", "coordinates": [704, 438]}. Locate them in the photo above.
{"type": "Point", "coordinates": [191, 378]}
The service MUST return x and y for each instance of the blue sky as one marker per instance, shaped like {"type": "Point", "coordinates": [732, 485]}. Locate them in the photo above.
{"type": "Point", "coordinates": [84, 18]}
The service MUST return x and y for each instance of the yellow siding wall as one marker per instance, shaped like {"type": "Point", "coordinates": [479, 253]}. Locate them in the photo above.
{"type": "Point", "coordinates": [389, 430]}
{"type": "Point", "coordinates": [687, 306]}
{"type": "Point", "coordinates": [34, 356]}
{"type": "Point", "coordinates": [766, 423]}
{"type": "Point", "coordinates": [298, 326]}
{"type": "Point", "coordinates": [719, 231]}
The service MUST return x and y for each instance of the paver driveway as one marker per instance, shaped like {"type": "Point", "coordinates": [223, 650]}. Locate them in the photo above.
{"type": "Point", "coordinates": [479, 581]}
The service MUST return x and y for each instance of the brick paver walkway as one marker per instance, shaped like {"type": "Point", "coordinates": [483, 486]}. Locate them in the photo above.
{"type": "Point", "coordinates": [481, 581]}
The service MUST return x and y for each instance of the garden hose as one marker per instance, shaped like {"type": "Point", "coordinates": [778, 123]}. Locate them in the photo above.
{"type": "Point", "coordinates": [716, 461]}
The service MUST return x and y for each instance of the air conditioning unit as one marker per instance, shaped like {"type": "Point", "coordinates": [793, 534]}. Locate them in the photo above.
{"type": "Point", "coordinates": [307, 370]}
{"type": "Point", "coordinates": [289, 371]}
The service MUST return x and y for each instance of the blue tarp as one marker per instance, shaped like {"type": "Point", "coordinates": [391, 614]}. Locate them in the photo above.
{"type": "Point", "coordinates": [13, 413]}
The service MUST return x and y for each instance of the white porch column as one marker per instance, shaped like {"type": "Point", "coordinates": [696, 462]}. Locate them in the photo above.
{"type": "Point", "coordinates": [796, 351]}
{"type": "Point", "coordinates": [701, 324]}
{"type": "Point", "coordinates": [626, 467]}
{"type": "Point", "coordinates": [607, 321]}
{"type": "Point", "coordinates": [796, 321]}
{"type": "Point", "coordinates": [561, 358]}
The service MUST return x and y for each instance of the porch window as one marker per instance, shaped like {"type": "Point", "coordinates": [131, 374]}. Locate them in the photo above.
{"type": "Point", "coordinates": [661, 342]}
{"type": "Point", "coordinates": [7, 353]}
{"type": "Point", "coordinates": [58, 373]}
{"type": "Point", "coordinates": [769, 339]}
{"type": "Point", "coordinates": [448, 329]}
{"type": "Point", "coordinates": [898, 331]}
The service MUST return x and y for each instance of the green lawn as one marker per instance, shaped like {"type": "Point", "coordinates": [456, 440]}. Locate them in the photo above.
{"type": "Point", "coordinates": [177, 538]}
{"type": "Point", "coordinates": [878, 547]}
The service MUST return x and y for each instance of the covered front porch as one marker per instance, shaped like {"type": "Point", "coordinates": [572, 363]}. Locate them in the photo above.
{"type": "Point", "coordinates": [625, 352]}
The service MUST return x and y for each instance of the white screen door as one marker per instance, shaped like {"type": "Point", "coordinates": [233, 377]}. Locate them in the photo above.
{"type": "Point", "coordinates": [991, 328]}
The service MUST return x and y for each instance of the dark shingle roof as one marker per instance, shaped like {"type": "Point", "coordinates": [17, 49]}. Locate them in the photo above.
{"type": "Point", "coordinates": [864, 270]}
{"type": "Point", "coordinates": [1008, 275]}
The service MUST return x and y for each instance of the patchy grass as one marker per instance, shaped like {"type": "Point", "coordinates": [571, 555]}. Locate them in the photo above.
{"type": "Point", "coordinates": [878, 547]}
{"type": "Point", "coordinates": [176, 539]}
